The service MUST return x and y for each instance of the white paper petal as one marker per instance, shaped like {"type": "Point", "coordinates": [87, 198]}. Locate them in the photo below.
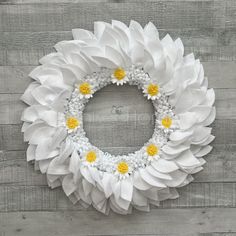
{"type": "Point", "coordinates": [151, 31]}
{"type": "Point", "coordinates": [180, 136]}
{"type": "Point", "coordinates": [31, 152]}
{"type": "Point", "coordinates": [188, 99]}
{"type": "Point", "coordinates": [174, 151]}
{"type": "Point", "coordinates": [201, 133]}
{"type": "Point", "coordinates": [187, 120]}
{"type": "Point", "coordinates": [178, 178]}
{"type": "Point", "coordinates": [107, 184]}
{"type": "Point", "coordinates": [139, 183]}
{"type": "Point", "coordinates": [68, 185]}
{"type": "Point", "coordinates": [53, 58]}
{"type": "Point", "coordinates": [164, 166]}
{"type": "Point", "coordinates": [97, 197]}
{"type": "Point", "coordinates": [43, 165]}
{"type": "Point", "coordinates": [86, 174]}
{"type": "Point", "coordinates": [57, 168]}
{"type": "Point", "coordinates": [187, 159]}
{"type": "Point", "coordinates": [139, 199]}
{"type": "Point", "coordinates": [81, 34]}
{"type": "Point", "coordinates": [44, 95]}
{"type": "Point", "coordinates": [204, 151]}
{"type": "Point", "coordinates": [151, 170]}
{"type": "Point", "coordinates": [115, 56]}
{"type": "Point", "coordinates": [126, 189]}
{"type": "Point", "coordinates": [105, 62]}
{"type": "Point", "coordinates": [50, 117]}
{"type": "Point", "coordinates": [41, 134]}
{"type": "Point", "coordinates": [151, 179]}
{"type": "Point", "coordinates": [27, 96]}
{"type": "Point", "coordinates": [87, 187]}
{"type": "Point", "coordinates": [152, 194]}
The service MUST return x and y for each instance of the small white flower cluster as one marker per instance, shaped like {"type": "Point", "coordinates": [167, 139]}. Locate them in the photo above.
{"type": "Point", "coordinates": [140, 159]}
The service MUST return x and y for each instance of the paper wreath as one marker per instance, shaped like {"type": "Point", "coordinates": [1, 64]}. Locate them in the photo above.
{"type": "Point", "coordinates": [118, 54]}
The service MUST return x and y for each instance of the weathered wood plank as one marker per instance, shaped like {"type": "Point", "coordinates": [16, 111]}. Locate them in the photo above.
{"type": "Point", "coordinates": [19, 172]}
{"type": "Point", "coordinates": [218, 234]}
{"type": "Point", "coordinates": [207, 28]}
{"type": "Point", "coordinates": [41, 198]}
{"type": "Point", "coordinates": [157, 222]}
{"type": "Point", "coordinates": [220, 74]}
{"type": "Point", "coordinates": [204, 37]}
{"type": "Point", "coordinates": [126, 104]}
{"type": "Point", "coordinates": [11, 106]}
{"type": "Point", "coordinates": [11, 138]}
{"type": "Point", "coordinates": [117, 135]}
{"type": "Point", "coordinates": [8, 2]}
{"type": "Point", "coordinates": [206, 43]}
{"type": "Point", "coordinates": [220, 166]}
{"type": "Point", "coordinates": [60, 17]}
{"type": "Point", "coordinates": [23, 57]}
{"type": "Point", "coordinates": [14, 79]}
{"type": "Point", "coordinates": [230, 14]}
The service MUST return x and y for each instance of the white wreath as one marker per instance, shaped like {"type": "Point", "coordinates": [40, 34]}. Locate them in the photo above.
{"type": "Point", "coordinates": [115, 53]}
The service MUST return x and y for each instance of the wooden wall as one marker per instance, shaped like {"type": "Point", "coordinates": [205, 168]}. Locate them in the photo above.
{"type": "Point", "coordinates": [28, 30]}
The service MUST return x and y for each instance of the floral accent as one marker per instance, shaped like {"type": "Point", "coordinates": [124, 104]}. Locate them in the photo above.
{"type": "Point", "coordinates": [152, 150]}
{"type": "Point", "coordinates": [123, 170]}
{"type": "Point", "coordinates": [122, 167]}
{"type": "Point", "coordinates": [60, 91]}
{"type": "Point", "coordinates": [166, 122]}
{"type": "Point", "coordinates": [152, 91]}
{"type": "Point", "coordinates": [119, 76]}
{"type": "Point", "coordinates": [85, 90]}
{"type": "Point", "coordinates": [72, 123]}
{"type": "Point", "coordinates": [91, 156]}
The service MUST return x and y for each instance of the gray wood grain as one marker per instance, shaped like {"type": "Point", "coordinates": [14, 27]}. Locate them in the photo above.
{"type": "Point", "coordinates": [29, 29]}
{"type": "Point", "coordinates": [49, 17]}
{"type": "Point", "coordinates": [41, 198]}
{"type": "Point", "coordinates": [157, 222]}
{"type": "Point", "coordinates": [191, 37]}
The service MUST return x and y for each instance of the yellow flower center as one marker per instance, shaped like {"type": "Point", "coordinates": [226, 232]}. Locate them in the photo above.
{"type": "Point", "coordinates": [91, 156]}
{"type": "Point", "coordinates": [152, 150]}
{"type": "Point", "coordinates": [123, 167]}
{"type": "Point", "coordinates": [72, 122]}
{"type": "Point", "coordinates": [153, 89]}
{"type": "Point", "coordinates": [85, 88]}
{"type": "Point", "coordinates": [119, 73]}
{"type": "Point", "coordinates": [166, 122]}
